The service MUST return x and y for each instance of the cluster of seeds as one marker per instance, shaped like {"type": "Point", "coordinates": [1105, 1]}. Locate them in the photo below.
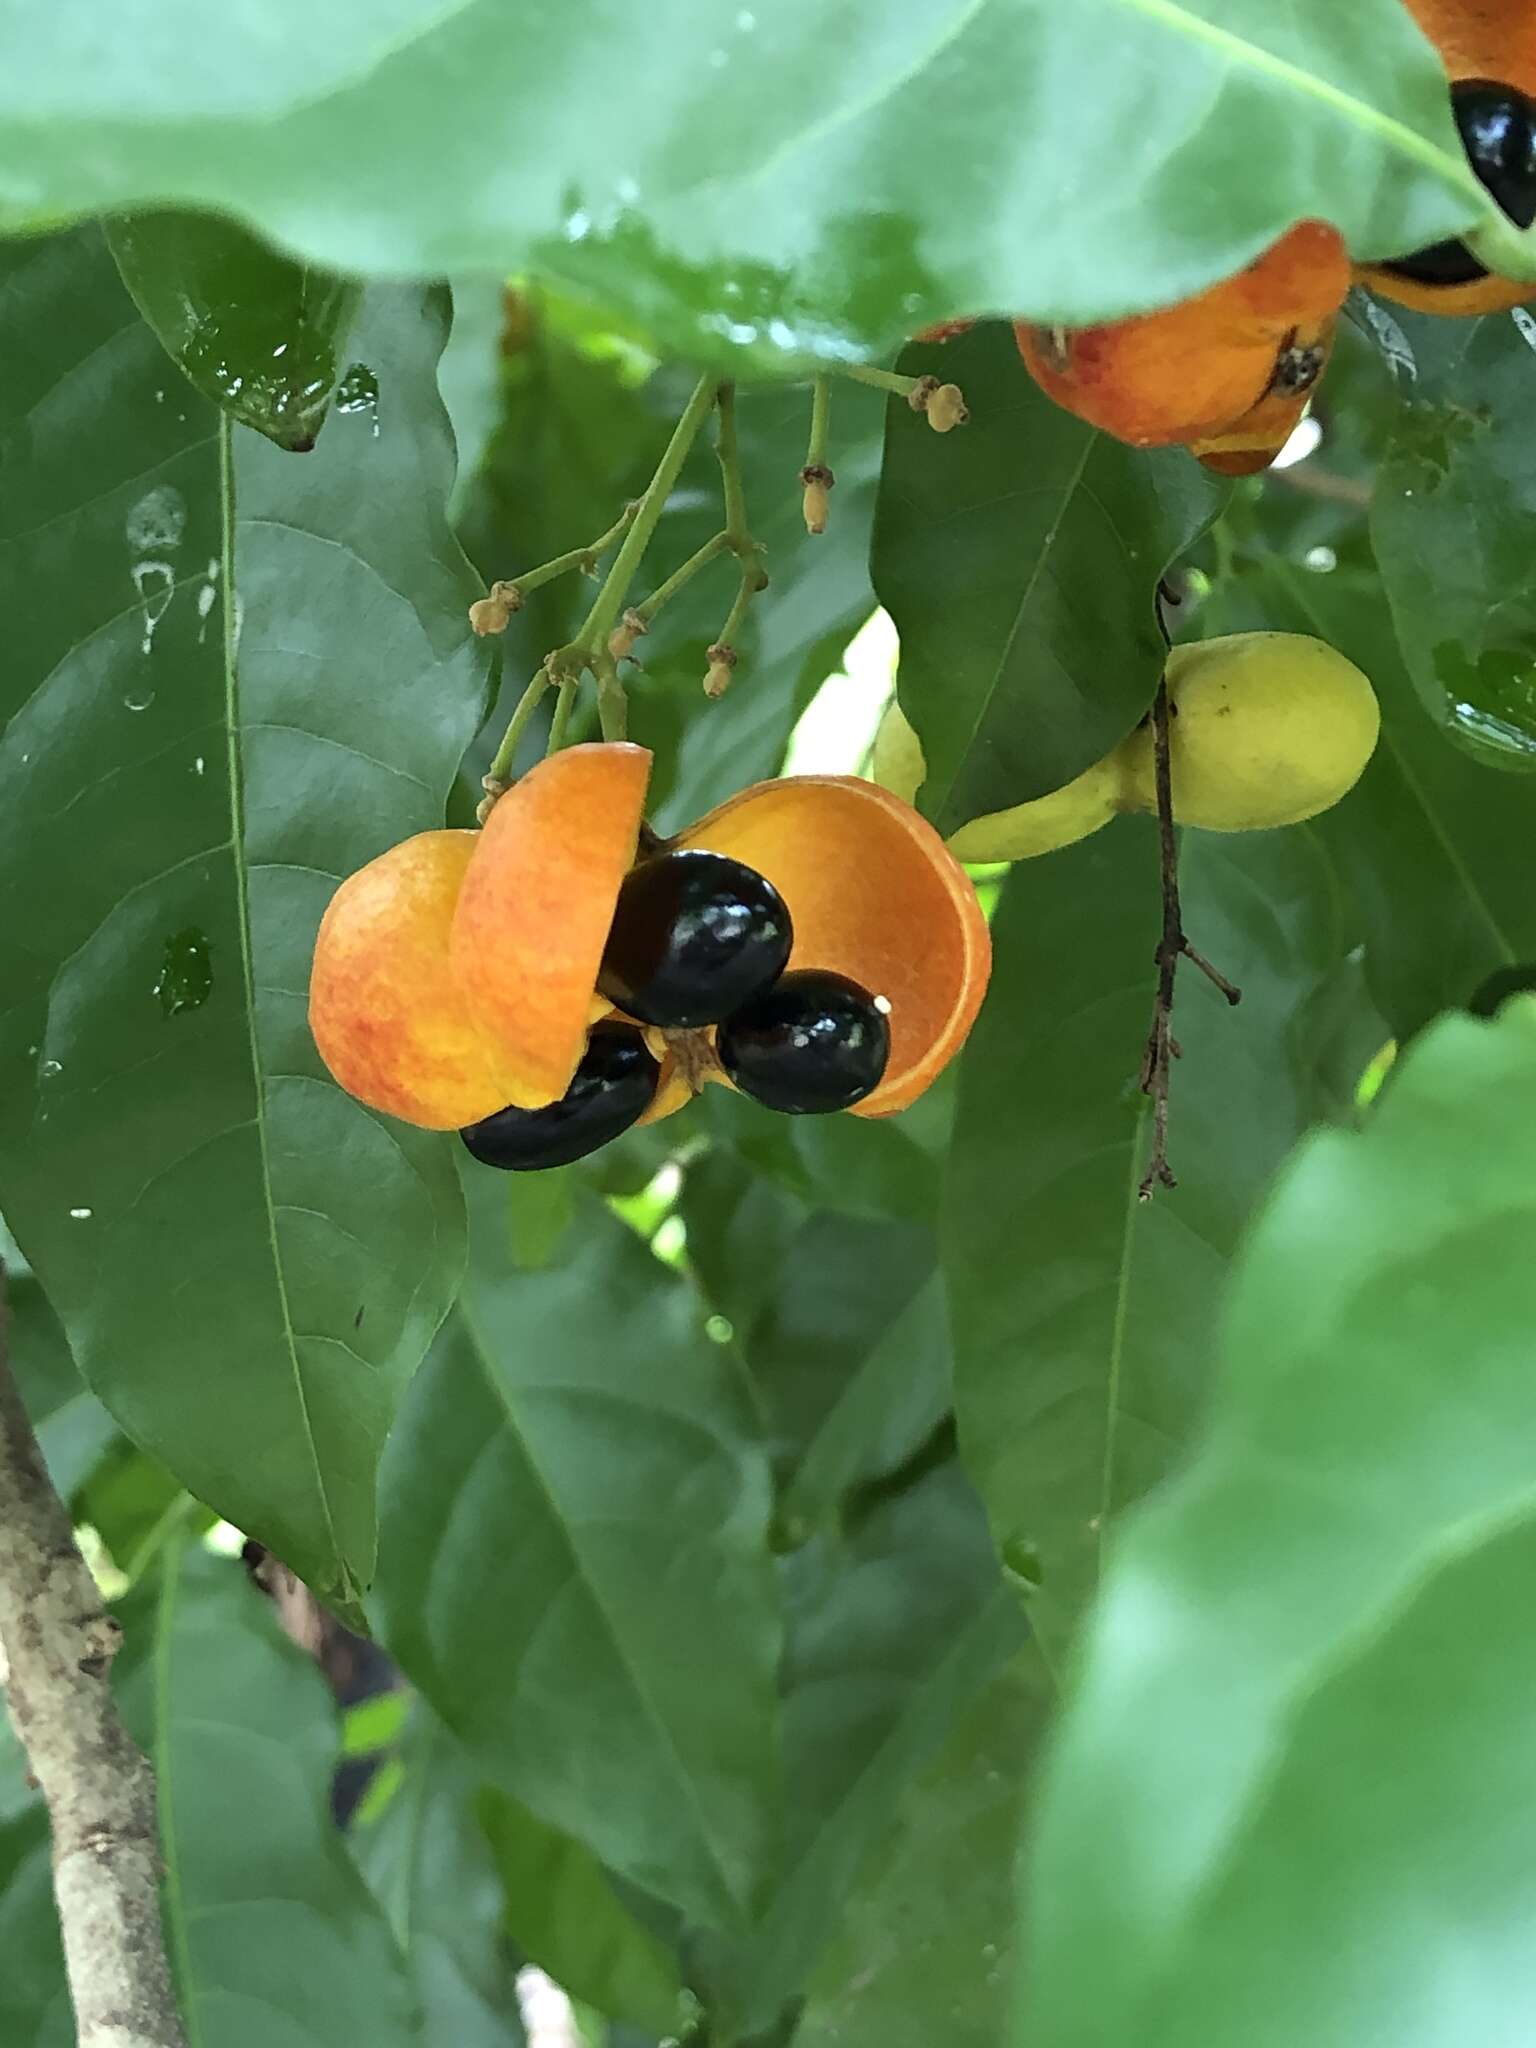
{"type": "Point", "coordinates": [697, 965]}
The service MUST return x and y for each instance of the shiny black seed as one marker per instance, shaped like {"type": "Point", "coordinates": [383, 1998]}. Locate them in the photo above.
{"type": "Point", "coordinates": [694, 936]}
{"type": "Point", "coordinates": [1498, 132]}
{"type": "Point", "coordinates": [1440, 263]}
{"type": "Point", "coordinates": [614, 1085]}
{"type": "Point", "coordinates": [812, 1043]}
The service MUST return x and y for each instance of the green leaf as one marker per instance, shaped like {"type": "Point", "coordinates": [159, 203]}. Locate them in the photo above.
{"type": "Point", "coordinates": [924, 1945]}
{"type": "Point", "coordinates": [256, 332]}
{"type": "Point", "coordinates": [246, 1262]}
{"type": "Point", "coordinates": [1429, 824]}
{"type": "Point", "coordinates": [73, 1430]}
{"type": "Point", "coordinates": [746, 182]}
{"type": "Point", "coordinates": [810, 1296]}
{"type": "Point", "coordinates": [429, 1868]}
{"type": "Point", "coordinates": [1453, 519]}
{"type": "Point", "coordinates": [575, 1570]}
{"type": "Point", "coordinates": [897, 1623]}
{"type": "Point", "coordinates": [565, 1916]}
{"type": "Point", "coordinates": [1082, 1316]}
{"type": "Point", "coordinates": [1292, 1798]}
{"type": "Point", "coordinates": [34, 2001]}
{"type": "Point", "coordinates": [1020, 559]}
{"type": "Point", "coordinates": [271, 1932]}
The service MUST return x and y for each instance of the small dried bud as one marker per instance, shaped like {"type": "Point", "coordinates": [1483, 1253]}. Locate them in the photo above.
{"type": "Point", "coordinates": [946, 408]}
{"type": "Point", "coordinates": [494, 786]}
{"type": "Point", "coordinates": [491, 613]}
{"type": "Point", "coordinates": [921, 392]}
{"type": "Point", "coordinates": [722, 660]}
{"type": "Point", "coordinates": [818, 481]}
{"type": "Point", "coordinates": [622, 639]}
{"type": "Point", "coordinates": [484, 808]}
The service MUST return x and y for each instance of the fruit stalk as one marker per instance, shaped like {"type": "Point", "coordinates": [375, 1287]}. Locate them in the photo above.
{"type": "Point", "coordinates": [1162, 1048]}
{"type": "Point", "coordinates": [602, 618]}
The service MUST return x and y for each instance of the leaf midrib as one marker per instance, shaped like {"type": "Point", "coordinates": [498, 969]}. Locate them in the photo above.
{"type": "Point", "coordinates": [502, 1396]}
{"type": "Point", "coordinates": [248, 973]}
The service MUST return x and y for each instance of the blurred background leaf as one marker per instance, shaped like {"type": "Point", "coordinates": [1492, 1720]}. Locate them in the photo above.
{"type": "Point", "coordinates": [1293, 1798]}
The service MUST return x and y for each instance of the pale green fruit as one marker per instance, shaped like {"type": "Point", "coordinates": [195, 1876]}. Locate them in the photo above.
{"type": "Point", "coordinates": [899, 765]}
{"type": "Point", "coordinates": [1269, 728]}
{"type": "Point", "coordinates": [1060, 819]}
{"type": "Point", "coordinates": [1019, 834]}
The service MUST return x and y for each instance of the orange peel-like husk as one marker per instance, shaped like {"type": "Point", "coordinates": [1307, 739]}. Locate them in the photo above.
{"type": "Point", "coordinates": [1190, 369]}
{"type": "Point", "coordinates": [876, 895]}
{"type": "Point", "coordinates": [1459, 301]}
{"type": "Point", "coordinates": [532, 917]}
{"type": "Point", "coordinates": [385, 1011]}
{"type": "Point", "coordinates": [1476, 39]}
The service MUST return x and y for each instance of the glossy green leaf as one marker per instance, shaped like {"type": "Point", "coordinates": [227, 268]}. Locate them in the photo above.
{"type": "Point", "coordinates": [246, 1262]}
{"type": "Point", "coordinates": [1453, 519]}
{"type": "Point", "coordinates": [1020, 557]}
{"type": "Point", "coordinates": [73, 1430]}
{"type": "Point", "coordinates": [924, 1946]}
{"type": "Point", "coordinates": [574, 1565]}
{"type": "Point", "coordinates": [896, 1624]}
{"type": "Point", "coordinates": [565, 1916]}
{"type": "Point", "coordinates": [1429, 825]}
{"type": "Point", "coordinates": [810, 1297]}
{"type": "Point", "coordinates": [1082, 1317]}
{"type": "Point", "coordinates": [747, 179]}
{"type": "Point", "coordinates": [1293, 1798]}
{"type": "Point", "coordinates": [430, 1870]}
{"type": "Point", "coordinates": [256, 332]}
{"type": "Point", "coordinates": [243, 1735]}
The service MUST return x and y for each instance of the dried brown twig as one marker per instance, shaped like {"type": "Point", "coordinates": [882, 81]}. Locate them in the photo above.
{"type": "Point", "coordinates": [1162, 1047]}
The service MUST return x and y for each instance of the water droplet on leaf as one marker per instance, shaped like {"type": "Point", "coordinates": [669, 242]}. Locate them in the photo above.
{"type": "Point", "coordinates": [186, 972]}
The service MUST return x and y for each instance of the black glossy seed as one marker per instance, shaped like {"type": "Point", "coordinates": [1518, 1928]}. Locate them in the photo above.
{"type": "Point", "coordinates": [813, 1043]}
{"type": "Point", "coordinates": [614, 1085]}
{"type": "Point", "coordinates": [1440, 263]}
{"type": "Point", "coordinates": [1498, 133]}
{"type": "Point", "coordinates": [694, 936]}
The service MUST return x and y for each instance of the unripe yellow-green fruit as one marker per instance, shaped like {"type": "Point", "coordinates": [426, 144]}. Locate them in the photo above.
{"type": "Point", "coordinates": [899, 763]}
{"type": "Point", "coordinates": [1040, 826]}
{"type": "Point", "coordinates": [1267, 729]}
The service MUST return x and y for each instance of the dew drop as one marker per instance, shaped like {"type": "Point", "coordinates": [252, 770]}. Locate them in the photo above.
{"type": "Point", "coordinates": [140, 697]}
{"type": "Point", "coordinates": [1321, 559]}
{"type": "Point", "coordinates": [79, 1215]}
{"type": "Point", "coordinates": [185, 980]}
{"type": "Point", "coordinates": [1021, 1562]}
{"type": "Point", "coordinates": [746, 21]}
{"type": "Point", "coordinates": [51, 1067]}
{"type": "Point", "coordinates": [198, 765]}
{"type": "Point", "coordinates": [358, 391]}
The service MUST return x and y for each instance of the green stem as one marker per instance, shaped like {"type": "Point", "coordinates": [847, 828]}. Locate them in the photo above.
{"type": "Point", "coordinates": [718, 544]}
{"type": "Point", "coordinates": [604, 614]}
{"type": "Point", "coordinates": [746, 591]}
{"type": "Point", "coordinates": [612, 705]}
{"type": "Point", "coordinates": [738, 534]}
{"type": "Point", "coordinates": [821, 420]}
{"type": "Point", "coordinates": [882, 380]}
{"type": "Point", "coordinates": [574, 558]}
{"type": "Point", "coordinates": [517, 725]}
{"type": "Point", "coordinates": [565, 704]}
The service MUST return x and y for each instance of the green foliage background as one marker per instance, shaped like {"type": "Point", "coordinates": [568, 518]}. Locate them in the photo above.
{"type": "Point", "coordinates": [755, 1510]}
